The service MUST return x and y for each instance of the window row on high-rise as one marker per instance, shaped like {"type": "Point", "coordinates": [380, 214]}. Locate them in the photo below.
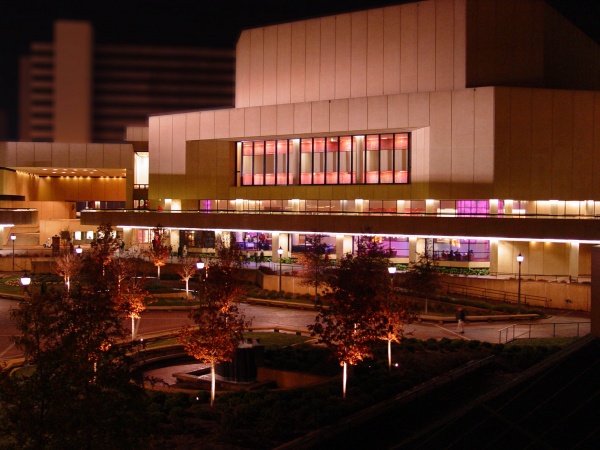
{"type": "Point", "coordinates": [365, 159]}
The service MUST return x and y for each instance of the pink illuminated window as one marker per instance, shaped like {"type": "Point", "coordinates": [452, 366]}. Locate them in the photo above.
{"type": "Point", "coordinates": [368, 159]}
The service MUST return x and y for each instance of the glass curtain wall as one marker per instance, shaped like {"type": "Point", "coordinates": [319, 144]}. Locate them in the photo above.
{"type": "Point", "coordinates": [371, 159]}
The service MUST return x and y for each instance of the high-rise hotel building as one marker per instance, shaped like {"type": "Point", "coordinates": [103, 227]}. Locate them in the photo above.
{"type": "Point", "coordinates": [73, 90]}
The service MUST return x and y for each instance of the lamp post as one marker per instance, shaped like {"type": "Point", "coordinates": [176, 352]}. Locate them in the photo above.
{"type": "Point", "coordinates": [200, 266]}
{"type": "Point", "coordinates": [520, 259]}
{"type": "Point", "coordinates": [280, 252]}
{"type": "Point", "coordinates": [25, 281]}
{"type": "Point", "coordinates": [13, 238]}
{"type": "Point", "coordinates": [79, 250]}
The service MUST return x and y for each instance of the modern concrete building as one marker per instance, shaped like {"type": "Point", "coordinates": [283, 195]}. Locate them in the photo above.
{"type": "Point", "coordinates": [467, 128]}
{"type": "Point", "coordinates": [74, 90]}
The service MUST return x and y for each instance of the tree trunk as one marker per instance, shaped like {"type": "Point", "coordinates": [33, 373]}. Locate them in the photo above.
{"type": "Point", "coordinates": [212, 383]}
{"type": "Point", "coordinates": [389, 355]}
{"type": "Point", "coordinates": [344, 379]}
{"type": "Point", "coordinates": [187, 289]}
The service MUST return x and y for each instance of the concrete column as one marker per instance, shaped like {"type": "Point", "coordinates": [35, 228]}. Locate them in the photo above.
{"type": "Point", "coordinates": [574, 260]}
{"type": "Point", "coordinates": [175, 239]}
{"type": "Point", "coordinates": [127, 237]}
{"type": "Point", "coordinates": [339, 246]}
{"type": "Point", "coordinates": [413, 249]}
{"type": "Point", "coordinates": [280, 240]}
{"type": "Point", "coordinates": [343, 245]}
{"type": "Point", "coordinates": [493, 256]}
{"type": "Point", "coordinates": [494, 206]}
{"type": "Point", "coordinates": [594, 307]}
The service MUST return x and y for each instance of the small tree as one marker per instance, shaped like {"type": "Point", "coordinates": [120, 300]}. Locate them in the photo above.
{"type": "Point", "coordinates": [218, 325]}
{"type": "Point", "coordinates": [130, 294]}
{"type": "Point", "coordinates": [422, 278]}
{"type": "Point", "coordinates": [314, 263]}
{"type": "Point", "coordinates": [186, 270]}
{"type": "Point", "coordinates": [396, 315]}
{"type": "Point", "coordinates": [82, 391]}
{"type": "Point", "coordinates": [352, 322]}
{"type": "Point", "coordinates": [159, 252]}
{"type": "Point", "coordinates": [67, 266]}
{"type": "Point", "coordinates": [104, 246]}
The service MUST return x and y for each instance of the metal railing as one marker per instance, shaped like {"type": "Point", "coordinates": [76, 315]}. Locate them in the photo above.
{"type": "Point", "coordinates": [495, 294]}
{"type": "Point", "coordinates": [542, 330]}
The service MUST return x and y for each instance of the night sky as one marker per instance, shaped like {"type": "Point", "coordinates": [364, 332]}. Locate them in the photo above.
{"type": "Point", "coordinates": [196, 23]}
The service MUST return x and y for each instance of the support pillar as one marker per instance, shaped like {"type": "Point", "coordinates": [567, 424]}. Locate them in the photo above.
{"type": "Point", "coordinates": [127, 237]}
{"type": "Point", "coordinates": [595, 304]}
{"type": "Point", "coordinates": [413, 249]}
{"type": "Point", "coordinates": [494, 256]}
{"type": "Point", "coordinates": [574, 260]}
{"type": "Point", "coordinates": [279, 240]}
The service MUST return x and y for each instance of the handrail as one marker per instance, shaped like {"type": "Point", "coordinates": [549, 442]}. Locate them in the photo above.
{"type": "Point", "coordinates": [349, 213]}
{"type": "Point", "coordinates": [527, 330]}
{"type": "Point", "coordinates": [495, 294]}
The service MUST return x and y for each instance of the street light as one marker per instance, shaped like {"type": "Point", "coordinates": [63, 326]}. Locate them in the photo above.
{"type": "Point", "coordinates": [79, 250]}
{"type": "Point", "coordinates": [200, 266]}
{"type": "Point", "coordinates": [25, 281]}
{"type": "Point", "coordinates": [520, 259]}
{"type": "Point", "coordinates": [13, 238]}
{"type": "Point", "coordinates": [280, 252]}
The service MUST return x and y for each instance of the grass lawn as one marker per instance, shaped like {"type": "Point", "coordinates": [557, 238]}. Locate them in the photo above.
{"type": "Point", "coordinates": [270, 340]}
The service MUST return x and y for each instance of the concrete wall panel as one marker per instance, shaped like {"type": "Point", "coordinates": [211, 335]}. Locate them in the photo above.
{"type": "Point", "coordinates": [375, 51]}
{"type": "Point", "coordinates": [520, 142]}
{"type": "Point", "coordinates": [562, 145]}
{"type": "Point", "coordinates": [444, 45]}
{"type": "Point", "coordinates": [440, 150]}
{"type": "Point", "coordinates": [343, 55]}
{"type": "Point", "coordinates": [460, 45]}
{"type": "Point", "coordinates": [252, 121]}
{"type": "Point", "coordinates": [358, 69]}
{"type": "Point", "coordinates": [377, 112]}
{"type": "Point", "coordinates": [222, 123]}
{"type": "Point", "coordinates": [298, 63]}
{"type": "Point", "coordinates": [483, 151]}
{"type": "Point", "coordinates": [595, 191]}
{"type": "Point", "coordinates": [541, 141]}
{"type": "Point", "coordinates": [268, 120]}
{"type": "Point", "coordinates": [327, 60]}
{"type": "Point", "coordinates": [192, 126]}
{"type": "Point", "coordinates": [60, 155]}
{"type": "Point", "coordinates": [409, 48]}
{"type": "Point", "coordinates": [339, 115]}
{"type": "Point", "coordinates": [391, 50]}
{"type": "Point", "coordinates": [313, 60]}
{"type": "Point", "coordinates": [256, 66]}
{"type": "Point", "coordinates": [302, 118]}
{"type": "Point", "coordinates": [398, 111]}
{"type": "Point", "coordinates": [285, 119]}
{"type": "Point", "coordinates": [207, 124]}
{"type": "Point", "coordinates": [320, 117]}
{"type": "Point", "coordinates": [284, 63]}
{"type": "Point", "coordinates": [357, 117]}
{"type": "Point", "coordinates": [463, 140]}
{"type": "Point", "coordinates": [426, 46]}
{"type": "Point", "coordinates": [242, 70]}
{"type": "Point", "coordinates": [270, 66]}
{"type": "Point", "coordinates": [78, 156]}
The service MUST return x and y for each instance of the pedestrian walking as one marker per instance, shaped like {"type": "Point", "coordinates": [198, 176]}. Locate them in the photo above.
{"type": "Point", "coordinates": [460, 320]}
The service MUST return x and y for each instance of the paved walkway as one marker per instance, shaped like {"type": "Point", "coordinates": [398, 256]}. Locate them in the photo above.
{"type": "Point", "coordinates": [558, 323]}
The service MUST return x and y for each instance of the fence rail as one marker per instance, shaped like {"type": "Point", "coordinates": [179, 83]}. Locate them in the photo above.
{"type": "Point", "coordinates": [494, 294]}
{"type": "Point", "coordinates": [542, 330]}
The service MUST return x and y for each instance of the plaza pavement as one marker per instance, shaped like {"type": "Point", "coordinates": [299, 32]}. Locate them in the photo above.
{"type": "Point", "coordinates": [156, 322]}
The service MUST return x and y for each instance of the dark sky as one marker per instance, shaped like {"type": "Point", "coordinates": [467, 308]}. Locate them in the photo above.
{"type": "Point", "coordinates": [181, 22]}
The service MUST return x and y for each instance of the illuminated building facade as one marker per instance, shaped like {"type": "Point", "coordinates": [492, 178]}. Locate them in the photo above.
{"type": "Point", "coordinates": [469, 129]}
